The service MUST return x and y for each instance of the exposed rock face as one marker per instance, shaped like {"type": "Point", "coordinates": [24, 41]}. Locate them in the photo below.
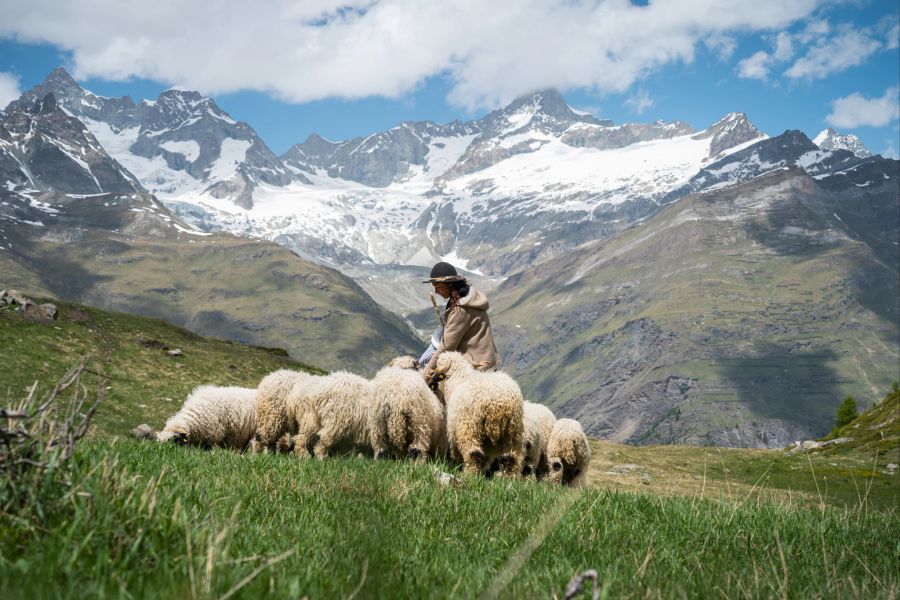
{"type": "Point", "coordinates": [732, 130]}
{"type": "Point", "coordinates": [379, 159]}
{"type": "Point", "coordinates": [43, 148]}
{"type": "Point", "coordinates": [722, 320]}
{"type": "Point", "coordinates": [829, 139]}
{"type": "Point", "coordinates": [189, 132]}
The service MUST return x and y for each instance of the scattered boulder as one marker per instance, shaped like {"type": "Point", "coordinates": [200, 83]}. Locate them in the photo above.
{"type": "Point", "coordinates": [811, 445]}
{"type": "Point", "coordinates": [445, 479]}
{"type": "Point", "coordinates": [143, 432]}
{"type": "Point", "coordinates": [50, 309]}
{"type": "Point", "coordinates": [176, 352]}
{"type": "Point", "coordinates": [622, 469]}
{"type": "Point", "coordinates": [891, 468]}
{"type": "Point", "coordinates": [14, 297]}
{"type": "Point", "coordinates": [32, 311]}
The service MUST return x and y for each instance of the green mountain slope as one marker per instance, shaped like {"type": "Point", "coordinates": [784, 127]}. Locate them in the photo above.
{"type": "Point", "coordinates": [128, 253]}
{"type": "Point", "coordinates": [736, 317]}
{"type": "Point", "coordinates": [129, 355]}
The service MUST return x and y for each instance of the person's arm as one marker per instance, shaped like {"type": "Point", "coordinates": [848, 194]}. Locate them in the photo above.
{"type": "Point", "coordinates": [458, 322]}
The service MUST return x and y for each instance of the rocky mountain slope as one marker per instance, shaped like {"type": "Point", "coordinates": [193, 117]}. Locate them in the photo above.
{"type": "Point", "coordinates": [829, 139]}
{"type": "Point", "coordinates": [75, 224]}
{"type": "Point", "coordinates": [740, 316]}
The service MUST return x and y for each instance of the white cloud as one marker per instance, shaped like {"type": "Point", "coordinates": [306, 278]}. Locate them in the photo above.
{"type": "Point", "coordinates": [893, 38]}
{"type": "Point", "coordinates": [756, 66]}
{"type": "Point", "coordinates": [856, 110]}
{"type": "Point", "coordinates": [890, 150]}
{"type": "Point", "coordinates": [721, 45]}
{"type": "Point", "coordinates": [784, 46]}
{"type": "Point", "coordinates": [302, 51]}
{"type": "Point", "coordinates": [9, 88]}
{"type": "Point", "coordinates": [849, 48]}
{"type": "Point", "coordinates": [639, 101]}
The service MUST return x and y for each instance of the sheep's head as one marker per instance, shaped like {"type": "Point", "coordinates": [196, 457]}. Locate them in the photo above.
{"type": "Point", "coordinates": [404, 362]}
{"type": "Point", "coordinates": [557, 469]}
{"type": "Point", "coordinates": [452, 363]}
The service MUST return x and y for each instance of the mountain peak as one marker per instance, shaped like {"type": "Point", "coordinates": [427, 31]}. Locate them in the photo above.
{"type": "Point", "coordinates": [731, 130]}
{"type": "Point", "coordinates": [829, 139]}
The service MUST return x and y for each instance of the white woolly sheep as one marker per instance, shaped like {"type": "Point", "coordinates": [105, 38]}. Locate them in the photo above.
{"type": "Point", "coordinates": [275, 418]}
{"type": "Point", "coordinates": [539, 421]}
{"type": "Point", "coordinates": [213, 416]}
{"type": "Point", "coordinates": [484, 416]}
{"type": "Point", "coordinates": [568, 454]}
{"type": "Point", "coordinates": [332, 414]}
{"type": "Point", "coordinates": [405, 418]}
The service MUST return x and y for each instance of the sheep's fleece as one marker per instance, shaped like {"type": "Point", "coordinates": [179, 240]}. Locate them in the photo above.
{"type": "Point", "coordinates": [332, 414]}
{"type": "Point", "coordinates": [484, 416]}
{"type": "Point", "coordinates": [568, 454]}
{"type": "Point", "coordinates": [214, 416]}
{"type": "Point", "coordinates": [405, 418]}
{"type": "Point", "coordinates": [539, 421]}
{"type": "Point", "coordinates": [275, 418]}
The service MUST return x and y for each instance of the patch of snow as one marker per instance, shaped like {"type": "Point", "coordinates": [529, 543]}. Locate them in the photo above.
{"type": "Point", "coordinates": [233, 153]}
{"type": "Point", "coordinates": [190, 149]}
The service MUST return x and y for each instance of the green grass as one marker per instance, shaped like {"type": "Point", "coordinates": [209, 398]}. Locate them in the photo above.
{"type": "Point", "coordinates": [145, 520]}
{"type": "Point", "coordinates": [144, 383]}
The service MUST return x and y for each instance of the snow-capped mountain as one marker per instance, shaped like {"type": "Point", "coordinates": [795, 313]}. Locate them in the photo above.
{"type": "Point", "coordinates": [521, 183]}
{"type": "Point", "coordinates": [493, 195]}
{"type": "Point", "coordinates": [792, 148]}
{"type": "Point", "coordinates": [181, 143]}
{"type": "Point", "coordinates": [829, 139]}
{"type": "Point", "coordinates": [43, 148]}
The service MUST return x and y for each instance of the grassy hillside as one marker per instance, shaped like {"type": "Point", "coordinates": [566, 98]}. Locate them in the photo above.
{"type": "Point", "coordinates": [876, 430]}
{"type": "Point", "coordinates": [740, 317]}
{"type": "Point", "coordinates": [151, 521]}
{"type": "Point", "coordinates": [144, 383]}
{"type": "Point", "coordinates": [125, 254]}
{"type": "Point", "coordinates": [148, 520]}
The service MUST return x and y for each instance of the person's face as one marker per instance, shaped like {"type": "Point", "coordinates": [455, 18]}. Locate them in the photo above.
{"type": "Point", "coordinates": [442, 289]}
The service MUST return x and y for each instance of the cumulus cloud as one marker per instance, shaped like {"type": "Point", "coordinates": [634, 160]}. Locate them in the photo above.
{"type": "Point", "coordinates": [849, 48]}
{"type": "Point", "coordinates": [856, 110]}
{"type": "Point", "coordinates": [893, 37]}
{"type": "Point", "coordinates": [639, 101]}
{"type": "Point", "coordinates": [756, 66]}
{"type": "Point", "coordinates": [302, 51]}
{"type": "Point", "coordinates": [9, 88]}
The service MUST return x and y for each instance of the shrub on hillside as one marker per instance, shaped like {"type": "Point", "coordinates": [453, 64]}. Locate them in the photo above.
{"type": "Point", "coordinates": [846, 412]}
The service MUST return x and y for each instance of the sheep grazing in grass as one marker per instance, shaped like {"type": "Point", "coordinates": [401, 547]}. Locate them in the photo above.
{"type": "Point", "coordinates": [539, 421]}
{"type": "Point", "coordinates": [213, 416]}
{"type": "Point", "coordinates": [484, 416]}
{"type": "Point", "coordinates": [275, 418]}
{"type": "Point", "coordinates": [331, 413]}
{"type": "Point", "coordinates": [568, 454]}
{"type": "Point", "coordinates": [406, 420]}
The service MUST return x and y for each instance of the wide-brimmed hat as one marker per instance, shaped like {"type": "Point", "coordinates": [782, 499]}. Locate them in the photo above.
{"type": "Point", "coordinates": [444, 272]}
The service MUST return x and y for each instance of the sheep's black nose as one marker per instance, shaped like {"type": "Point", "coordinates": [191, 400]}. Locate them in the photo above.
{"type": "Point", "coordinates": [557, 466]}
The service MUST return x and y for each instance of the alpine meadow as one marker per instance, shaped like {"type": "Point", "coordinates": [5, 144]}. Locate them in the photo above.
{"type": "Point", "coordinates": [388, 299]}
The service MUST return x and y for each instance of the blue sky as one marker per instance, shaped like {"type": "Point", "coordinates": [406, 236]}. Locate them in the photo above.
{"type": "Point", "coordinates": [807, 66]}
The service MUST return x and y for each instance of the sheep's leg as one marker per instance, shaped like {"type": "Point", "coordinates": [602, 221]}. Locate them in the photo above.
{"type": "Point", "coordinates": [270, 425]}
{"type": "Point", "coordinates": [327, 439]}
{"type": "Point", "coordinates": [307, 427]}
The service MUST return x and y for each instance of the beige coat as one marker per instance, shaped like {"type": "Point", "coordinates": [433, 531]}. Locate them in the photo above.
{"type": "Point", "coordinates": [468, 331]}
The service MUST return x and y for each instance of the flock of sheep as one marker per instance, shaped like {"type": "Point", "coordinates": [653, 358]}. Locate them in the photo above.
{"type": "Point", "coordinates": [476, 419]}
